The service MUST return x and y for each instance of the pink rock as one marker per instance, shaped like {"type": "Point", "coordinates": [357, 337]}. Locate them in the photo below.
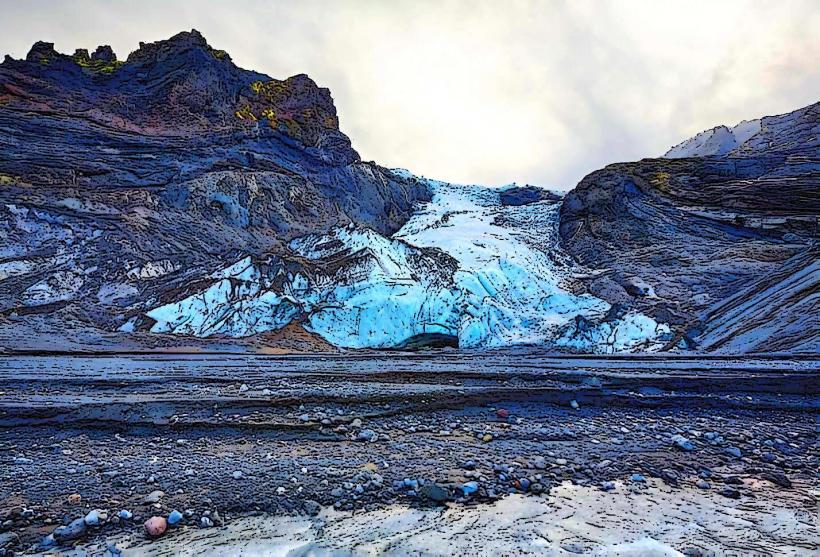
{"type": "Point", "coordinates": [156, 526]}
{"type": "Point", "coordinates": [502, 413]}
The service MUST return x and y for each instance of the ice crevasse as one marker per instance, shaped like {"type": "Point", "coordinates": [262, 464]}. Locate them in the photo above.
{"type": "Point", "coordinates": [464, 265]}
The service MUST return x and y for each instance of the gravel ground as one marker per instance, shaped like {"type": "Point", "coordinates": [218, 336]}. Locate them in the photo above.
{"type": "Point", "coordinates": [222, 438]}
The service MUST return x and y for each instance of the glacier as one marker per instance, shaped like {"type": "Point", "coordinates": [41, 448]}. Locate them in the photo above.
{"type": "Point", "coordinates": [464, 266]}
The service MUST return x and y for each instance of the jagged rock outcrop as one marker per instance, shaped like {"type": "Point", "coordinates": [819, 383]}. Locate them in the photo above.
{"type": "Point", "coordinates": [174, 160]}
{"type": "Point", "coordinates": [675, 237]}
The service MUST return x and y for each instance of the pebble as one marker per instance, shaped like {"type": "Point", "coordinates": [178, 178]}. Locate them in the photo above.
{"type": "Point", "coordinates": [237, 474]}
{"type": "Point", "coordinates": [469, 488]}
{"type": "Point", "coordinates": [682, 443]}
{"type": "Point", "coordinates": [434, 492]}
{"type": "Point", "coordinates": [73, 531]}
{"type": "Point", "coordinates": [304, 418]}
{"type": "Point", "coordinates": [206, 522]}
{"type": "Point", "coordinates": [174, 517]}
{"type": "Point", "coordinates": [733, 451]}
{"type": "Point", "coordinates": [703, 484]}
{"type": "Point", "coordinates": [607, 486]}
{"type": "Point", "coordinates": [730, 493]}
{"type": "Point", "coordinates": [92, 518]}
{"type": "Point", "coordinates": [502, 413]}
{"type": "Point", "coordinates": [574, 404]}
{"type": "Point", "coordinates": [777, 478]}
{"type": "Point", "coordinates": [637, 478]}
{"type": "Point", "coordinates": [487, 437]}
{"type": "Point", "coordinates": [768, 457]}
{"type": "Point", "coordinates": [126, 515]}
{"type": "Point", "coordinates": [243, 388]}
{"type": "Point", "coordinates": [74, 499]}
{"type": "Point", "coordinates": [153, 497]}
{"type": "Point", "coordinates": [537, 488]}
{"type": "Point", "coordinates": [155, 526]}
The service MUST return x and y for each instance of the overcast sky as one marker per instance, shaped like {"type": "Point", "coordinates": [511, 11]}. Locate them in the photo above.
{"type": "Point", "coordinates": [491, 92]}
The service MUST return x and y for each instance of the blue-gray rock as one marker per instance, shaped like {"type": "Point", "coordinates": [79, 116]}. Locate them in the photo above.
{"type": "Point", "coordinates": [434, 492]}
{"type": "Point", "coordinates": [73, 531]}
{"type": "Point", "coordinates": [92, 518]}
{"type": "Point", "coordinates": [682, 443]}
{"type": "Point", "coordinates": [733, 451]}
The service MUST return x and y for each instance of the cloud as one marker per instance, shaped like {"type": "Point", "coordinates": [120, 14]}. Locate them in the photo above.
{"type": "Point", "coordinates": [484, 91]}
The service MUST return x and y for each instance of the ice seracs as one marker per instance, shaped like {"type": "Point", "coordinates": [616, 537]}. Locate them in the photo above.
{"type": "Point", "coordinates": [464, 266]}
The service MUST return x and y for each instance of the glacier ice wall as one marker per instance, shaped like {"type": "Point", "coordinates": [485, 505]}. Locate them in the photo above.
{"type": "Point", "coordinates": [464, 265]}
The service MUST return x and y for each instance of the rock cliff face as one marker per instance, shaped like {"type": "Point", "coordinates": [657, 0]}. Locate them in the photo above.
{"type": "Point", "coordinates": [174, 197]}
{"type": "Point", "coordinates": [120, 181]}
{"type": "Point", "coordinates": [677, 237]}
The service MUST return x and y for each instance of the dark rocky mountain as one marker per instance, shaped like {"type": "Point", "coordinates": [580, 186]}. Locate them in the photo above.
{"type": "Point", "coordinates": [174, 192]}
{"type": "Point", "coordinates": [121, 180]}
{"type": "Point", "coordinates": [689, 239]}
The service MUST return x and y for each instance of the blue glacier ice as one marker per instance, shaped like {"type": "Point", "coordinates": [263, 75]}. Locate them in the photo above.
{"type": "Point", "coordinates": [464, 265]}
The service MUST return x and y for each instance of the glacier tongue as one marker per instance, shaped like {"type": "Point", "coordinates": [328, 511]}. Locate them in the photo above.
{"type": "Point", "coordinates": [513, 277]}
{"type": "Point", "coordinates": [464, 265]}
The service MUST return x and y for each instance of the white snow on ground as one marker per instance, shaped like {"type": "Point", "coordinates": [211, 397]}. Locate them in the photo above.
{"type": "Point", "coordinates": [495, 276]}
{"type": "Point", "coordinates": [716, 141]}
{"type": "Point", "coordinates": [651, 521]}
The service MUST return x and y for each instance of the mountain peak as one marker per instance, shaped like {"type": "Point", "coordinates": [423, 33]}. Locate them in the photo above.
{"type": "Point", "coordinates": [181, 43]}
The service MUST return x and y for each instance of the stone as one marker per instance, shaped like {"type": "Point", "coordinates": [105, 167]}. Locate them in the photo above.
{"type": "Point", "coordinates": [434, 492]}
{"type": "Point", "coordinates": [92, 518]}
{"type": "Point", "coordinates": [607, 486]}
{"type": "Point", "coordinates": [469, 488]}
{"type": "Point", "coordinates": [730, 493]}
{"type": "Point", "coordinates": [733, 451]}
{"type": "Point", "coordinates": [502, 413]}
{"type": "Point", "coordinates": [703, 484]}
{"type": "Point", "coordinates": [487, 437]}
{"type": "Point", "coordinates": [367, 435]}
{"type": "Point", "coordinates": [8, 539]}
{"type": "Point", "coordinates": [155, 526]}
{"type": "Point", "coordinates": [153, 497]}
{"type": "Point", "coordinates": [682, 443]}
{"type": "Point", "coordinates": [237, 475]}
{"type": "Point", "coordinates": [777, 478]}
{"type": "Point", "coordinates": [75, 530]}
{"type": "Point", "coordinates": [74, 499]}
{"type": "Point", "coordinates": [637, 478]}
{"type": "Point", "coordinates": [205, 522]}
{"type": "Point", "coordinates": [174, 517]}
{"type": "Point", "coordinates": [125, 515]}
{"type": "Point", "coordinates": [574, 404]}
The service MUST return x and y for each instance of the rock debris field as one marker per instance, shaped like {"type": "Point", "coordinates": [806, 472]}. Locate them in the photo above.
{"type": "Point", "coordinates": [379, 452]}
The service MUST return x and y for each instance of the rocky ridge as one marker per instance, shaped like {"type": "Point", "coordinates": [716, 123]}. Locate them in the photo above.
{"type": "Point", "coordinates": [677, 237]}
{"type": "Point", "coordinates": [123, 181]}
